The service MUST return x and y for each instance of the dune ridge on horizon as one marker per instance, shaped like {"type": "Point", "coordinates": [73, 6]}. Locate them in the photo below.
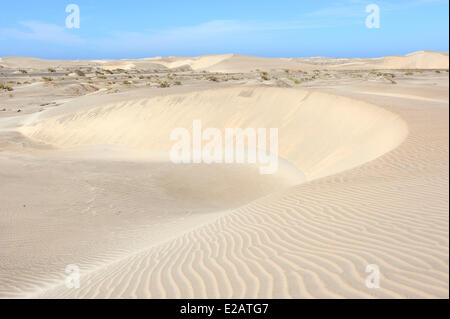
{"type": "Point", "coordinates": [225, 63]}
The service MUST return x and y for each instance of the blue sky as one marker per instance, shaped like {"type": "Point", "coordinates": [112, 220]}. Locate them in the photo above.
{"type": "Point", "coordinates": [277, 28]}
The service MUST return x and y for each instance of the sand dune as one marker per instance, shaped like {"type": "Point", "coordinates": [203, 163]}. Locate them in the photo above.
{"type": "Point", "coordinates": [419, 60]}
{"type": "Point", "coordinates": [242, 63]}
{"type": "Point", "coordinates": [198, 63]}
{"type": "Point", "coordinates": [310, 241]}
{"type": "Point", "coordinates": [320, 138]}
{"type": "Point", "coordinates": [363, 180]}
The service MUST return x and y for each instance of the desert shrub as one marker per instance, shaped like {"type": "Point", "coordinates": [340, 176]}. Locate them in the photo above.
{"type": "Point", "coordinates": [164, 84]}
{"type": "Point", "coordinates": [265, 76]}
{"type": "Point", "coordinates": [127, 82]}
{"type": "Point", "coordinates": [391, 80]}
{"type": "Point", "coordinates": [80, 73]}
{"type": "Point", "coordinates": [23, 71]}
{"type": "Point", "coordinates": [177, 83]}
{"type": "Point", "coordinates": [213, 79]}
{"type": "Point", "coordinates": [6, 87]}
{"type": "Point", "coordinates": [51, 70]}
{"type": "Point", "coordinates": [386, 75]}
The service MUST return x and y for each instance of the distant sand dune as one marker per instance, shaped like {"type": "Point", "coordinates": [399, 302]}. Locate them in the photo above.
{"type": "Point", "coordinates": [244, 63]}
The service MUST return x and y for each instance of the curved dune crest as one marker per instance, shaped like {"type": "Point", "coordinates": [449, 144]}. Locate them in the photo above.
{"type": "Point", "coordinates": [320, 134]}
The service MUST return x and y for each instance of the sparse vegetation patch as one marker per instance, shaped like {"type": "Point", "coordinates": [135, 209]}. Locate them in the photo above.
{"type": "Point", "coordinates": [6, 87]}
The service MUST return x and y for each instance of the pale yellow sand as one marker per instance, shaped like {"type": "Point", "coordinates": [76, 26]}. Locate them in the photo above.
{"type": "Point", "coordinates": [364, 180]}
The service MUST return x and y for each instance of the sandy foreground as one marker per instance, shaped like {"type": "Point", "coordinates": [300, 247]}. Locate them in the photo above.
{"type": "Point", "coordinates": [85, 178]}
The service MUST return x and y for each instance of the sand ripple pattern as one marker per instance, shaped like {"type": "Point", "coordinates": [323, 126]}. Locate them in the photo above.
{"type": "Point", "coordinates": [313, 240]}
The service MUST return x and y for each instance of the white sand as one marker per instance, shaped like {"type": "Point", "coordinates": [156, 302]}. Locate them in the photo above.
{"type": "Point", "coordinates": [364, 180]}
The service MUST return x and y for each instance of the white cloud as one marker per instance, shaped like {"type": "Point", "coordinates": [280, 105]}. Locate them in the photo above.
{"type": "Point", "coordinates": [217, 32]}
{"type": "Point", "coordinates": [344, 12]}
{"type": "Point", "coordinates": [213, 28]}
{"type": "Point", "coordinates": [38, 31]}
{"type": "Point", "coordinates": [356, 8]}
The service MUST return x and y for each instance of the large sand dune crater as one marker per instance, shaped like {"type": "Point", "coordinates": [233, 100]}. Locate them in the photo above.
{"type": "Point", "coordinates": [111, 183]}
{"type": "Point", "coordinates": [320, 134]}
